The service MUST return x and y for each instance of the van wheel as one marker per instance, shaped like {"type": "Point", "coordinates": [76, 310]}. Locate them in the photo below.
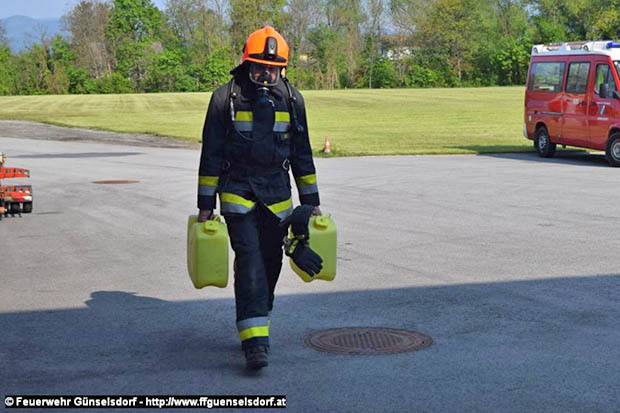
{"type": "Point", "coordinates": [542, 143]}
{"type": "Point", "coordinates": [612, 153]}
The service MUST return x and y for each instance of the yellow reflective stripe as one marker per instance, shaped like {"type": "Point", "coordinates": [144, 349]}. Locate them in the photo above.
{"type": "Point", "coordinates": [236, 199]}
{"type": "Point", "coordinates": [283, 117]}
{"type": "Point", "coordinates": [281, 206]}
{"type": "Point", "coordinates": [244, 116]}
{"type": "Point", "coordinates": [306, 180]}
{"type": "Point", "coordinates": [254, 332]}
{"type": "Point", "coordinates": [208, 180]}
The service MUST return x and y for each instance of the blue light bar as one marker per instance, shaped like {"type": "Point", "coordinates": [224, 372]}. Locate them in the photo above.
{"type": "Point", "coordinates": [612, 45]}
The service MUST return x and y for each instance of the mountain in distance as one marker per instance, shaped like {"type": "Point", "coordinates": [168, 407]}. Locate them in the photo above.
{"type": "Point", "coordinates": [22, 31]}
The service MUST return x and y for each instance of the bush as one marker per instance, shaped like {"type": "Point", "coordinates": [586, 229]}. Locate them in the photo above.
{"type": "Point", "coordinates": [418, 76]}
{"type": "Point", "coordinates": [114, 83]}
{"type": "Point", "coordinates": [384, 74]}
{"type": "Point", "coordinates": [80, 82]}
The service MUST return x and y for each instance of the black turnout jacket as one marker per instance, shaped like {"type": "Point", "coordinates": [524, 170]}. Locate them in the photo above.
{"type": "Point", "coordinates": [248, 149]}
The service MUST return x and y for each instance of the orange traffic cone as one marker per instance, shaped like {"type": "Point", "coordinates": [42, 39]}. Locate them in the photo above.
{"type": "Point", "coordinates": [327, 147]}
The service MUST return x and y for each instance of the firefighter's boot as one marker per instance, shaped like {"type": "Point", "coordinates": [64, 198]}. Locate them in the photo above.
{"type": "Point", "coordinates": [256, 357]}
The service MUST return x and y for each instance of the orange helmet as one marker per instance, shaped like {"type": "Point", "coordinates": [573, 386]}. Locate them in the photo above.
{"type": "Point", "coordinates": [266, 46]}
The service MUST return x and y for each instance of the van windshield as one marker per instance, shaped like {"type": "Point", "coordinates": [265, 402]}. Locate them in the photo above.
{"type": "Point", "coordinates": [617, 64]}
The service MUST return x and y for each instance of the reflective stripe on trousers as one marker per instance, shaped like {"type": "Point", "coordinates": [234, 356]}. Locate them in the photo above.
{"type": "Point", "coordinates": [253, 327]}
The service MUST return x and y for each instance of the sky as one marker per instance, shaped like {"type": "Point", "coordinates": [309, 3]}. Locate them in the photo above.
{"type": "Point", "coordinates": [40, 9]}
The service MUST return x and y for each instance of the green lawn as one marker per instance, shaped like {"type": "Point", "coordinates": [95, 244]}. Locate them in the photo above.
{"type": "Point", "coordinates": [358, 122]}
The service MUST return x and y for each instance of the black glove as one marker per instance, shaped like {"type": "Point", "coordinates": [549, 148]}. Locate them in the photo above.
{"type": "Point", "coordinates": [298, 221]}
{"type": "Point", "coordinates": [306, 259]}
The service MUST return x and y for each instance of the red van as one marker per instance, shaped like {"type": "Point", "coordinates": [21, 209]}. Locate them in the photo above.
{"type": "Point", "coordinates": [572, 98]}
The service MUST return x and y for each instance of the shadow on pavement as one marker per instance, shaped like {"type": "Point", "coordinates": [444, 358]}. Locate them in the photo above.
{"type": "Point", "coordinates": [577, 158]}
{"type": "Point", "coordinates": [555, 333]}
{"type": "Point", "coordinates": [482, 149]}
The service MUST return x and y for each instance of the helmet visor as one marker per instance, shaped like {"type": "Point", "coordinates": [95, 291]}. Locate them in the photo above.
{"type": "Point", "coordinates": [264, 75]}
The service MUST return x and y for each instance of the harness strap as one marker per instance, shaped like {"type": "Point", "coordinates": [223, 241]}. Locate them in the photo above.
{"type": "Point", "coordinates": [293, 108]}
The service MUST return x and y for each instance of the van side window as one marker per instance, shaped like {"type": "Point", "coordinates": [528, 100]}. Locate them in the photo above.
{"type": "Point", "coordinates": [577, 80]}
{"type": "Point", "coordinates": [603, 75]}
{"type": "Point", "coordinates": [546, 77]}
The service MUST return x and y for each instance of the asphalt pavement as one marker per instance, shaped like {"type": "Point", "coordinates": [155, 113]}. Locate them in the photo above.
{"type": "Point", "coordinates": [508, 262]}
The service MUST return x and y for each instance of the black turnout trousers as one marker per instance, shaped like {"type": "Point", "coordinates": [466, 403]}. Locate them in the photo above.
{"type": "Point", "coordinates": [256, 238]}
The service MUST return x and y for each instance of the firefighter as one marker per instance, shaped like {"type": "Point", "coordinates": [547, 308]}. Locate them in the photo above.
{"type": "Point", "coordinates": [255, 131]}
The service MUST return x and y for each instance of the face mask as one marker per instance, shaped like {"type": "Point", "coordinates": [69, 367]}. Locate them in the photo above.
{"type": "Point", "coordinates": [264, 75]}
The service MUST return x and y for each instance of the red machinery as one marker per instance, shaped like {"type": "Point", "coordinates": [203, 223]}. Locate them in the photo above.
{"type": "Point", "coordinates": [14, 199]}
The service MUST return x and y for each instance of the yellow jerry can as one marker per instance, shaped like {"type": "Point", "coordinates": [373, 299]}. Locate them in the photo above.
{"type": "Point", "coordinates": [322, 231]}
{"type": "Point", "coordinates": [207, 252]}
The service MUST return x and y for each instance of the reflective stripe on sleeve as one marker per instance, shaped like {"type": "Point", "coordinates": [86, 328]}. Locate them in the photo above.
{"type": "Point", "coordinates": [207, 190]}
{"type": "Point", "coordinates": [207, 185]}
{"type": "Point", "coordinates": [208, 180]}
{"type": "Point", "coordinates": [308, 189]}
{"type": "Point", "coordinates": [307, 184]}
{"type": "Point", "coordinates": [306, 180]}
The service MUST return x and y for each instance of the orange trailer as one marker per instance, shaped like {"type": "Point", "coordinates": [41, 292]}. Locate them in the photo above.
{"type": "Point", "coordinates": [14, 199]}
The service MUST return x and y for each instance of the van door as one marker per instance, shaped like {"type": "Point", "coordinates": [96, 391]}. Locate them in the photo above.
{"type": "Point", "coordinates": [602, 110]}
{"type": "Point", "coordinates": [575, 103]}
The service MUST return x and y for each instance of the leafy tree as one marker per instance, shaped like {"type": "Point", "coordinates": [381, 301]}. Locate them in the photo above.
{"type": "Point", "coordinates": [7, 80]}
{"type": "Point", "coordinates": [453, 28]}
{"type": "Point", "coordinates": [87, 23]}
{"type": "Point", "coordinates": [217, 69]}
{"type": "Point", "coordinates": [346, 17]}
{"type": "Point", "coordinates": [6, 72]}
{"type": "Point", "coordinates": [3, 40]}
{"type": "Point", "coordinates": [249, 15]}
{"type": "Point", "coordinates": [607, 21]}
{"type": "Point", "coordinates": [132, 30]}
{"type": "Point", "coordinates": [324, 57]}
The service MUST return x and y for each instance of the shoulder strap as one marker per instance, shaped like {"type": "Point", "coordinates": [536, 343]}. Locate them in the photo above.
{"type": "Point", "coordinates": [293, 106]}
{"type": "Point", "coordinates": [232, 95]}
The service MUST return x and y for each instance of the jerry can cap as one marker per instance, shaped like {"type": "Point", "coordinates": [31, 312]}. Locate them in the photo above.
{"type": "Point", "coordinates": [210, 227]}
{"type": "Point", "coordinates": [321, 222]}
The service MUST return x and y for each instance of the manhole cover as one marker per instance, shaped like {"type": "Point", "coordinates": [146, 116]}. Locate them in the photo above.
{"type": "Point", "coordinates": [367, 340]}
{"type": "Point", "coordinates": [116, 182]}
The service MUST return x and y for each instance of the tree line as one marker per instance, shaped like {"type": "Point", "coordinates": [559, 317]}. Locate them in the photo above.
{"type": "Point", "coordinates": [122, 46]}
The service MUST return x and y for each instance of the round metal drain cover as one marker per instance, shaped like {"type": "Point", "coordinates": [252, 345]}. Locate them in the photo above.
{"type": "Point", "coordinates": [116, 182]}
{"type": "Point", "coordinates": [367, 340]}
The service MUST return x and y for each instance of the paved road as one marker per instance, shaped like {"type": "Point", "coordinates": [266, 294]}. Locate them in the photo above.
{"type": "Point", "coordinates": [509, 262]}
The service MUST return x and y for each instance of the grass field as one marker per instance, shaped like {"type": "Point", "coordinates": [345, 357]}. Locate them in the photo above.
{"type": "Point", "coordinates": [357, 122]}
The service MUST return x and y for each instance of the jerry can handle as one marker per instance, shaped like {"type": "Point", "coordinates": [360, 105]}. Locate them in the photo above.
{"type": "Point", "coordinates": [211, 226]}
